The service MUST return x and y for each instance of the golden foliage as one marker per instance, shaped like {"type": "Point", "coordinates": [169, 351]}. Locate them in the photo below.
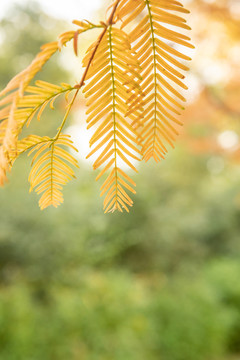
{"type": "Point", "coordinates": [112, 93]}
{"type": "Point", "coordinates": [158, 62]}
{"type": "Point", "coordinates": [15, 89]}
{"type": "Point", "coordinates": [130, 81]}
{"type": "Point", "coordinates": [51, 169]}
{"type": "Point", "coordinates": [33, 103]}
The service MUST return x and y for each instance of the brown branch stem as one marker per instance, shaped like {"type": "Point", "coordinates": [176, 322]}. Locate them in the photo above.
{"type": "Point", "coordinates": [82, 82]}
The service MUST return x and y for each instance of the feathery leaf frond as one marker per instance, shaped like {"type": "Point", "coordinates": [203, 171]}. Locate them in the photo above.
{"type": "Point", "coordinates": [37, 98]}
{"type": "Point", "coordinates": [51, 169]}
{"type": "Point", "coordinates": [13, 92]}
{"type": "Point", "coordinates": [26, 144]}
{"type": "Point", "coordinates": [34, 103]}
{"type": "Point", "coordinates": [160, 63]}
{"type": "Point", "coordinates": [15, 89]}
{"type": "Point", "coordinates": [21, 80]}
{"type": "Point", "coordinates": [112, 93]}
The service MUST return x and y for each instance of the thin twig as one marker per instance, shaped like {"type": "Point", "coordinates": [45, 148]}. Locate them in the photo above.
{"type": "Point", "coordinates": [82, 82]}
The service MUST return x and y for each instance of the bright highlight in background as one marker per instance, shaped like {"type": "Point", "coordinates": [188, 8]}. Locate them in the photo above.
{"type": "Point", "coordinates": [228, 139]}
{"type": "Point", "coordinates": [70, 10]}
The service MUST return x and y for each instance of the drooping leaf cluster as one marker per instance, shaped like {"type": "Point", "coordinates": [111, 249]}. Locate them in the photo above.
{"type": "Point", "coordinates": [133, 73]}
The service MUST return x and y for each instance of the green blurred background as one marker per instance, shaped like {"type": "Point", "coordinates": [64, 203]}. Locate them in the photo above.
{"type": "Point", "coordinates": [162, 283]}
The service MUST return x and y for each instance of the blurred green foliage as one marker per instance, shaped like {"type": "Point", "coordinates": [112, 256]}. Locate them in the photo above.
{"type": "Point", "coordinates": [159, 283]}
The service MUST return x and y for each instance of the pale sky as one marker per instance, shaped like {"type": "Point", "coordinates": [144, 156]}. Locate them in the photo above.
{"type": "Point", "coordinates": [67, 10]}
